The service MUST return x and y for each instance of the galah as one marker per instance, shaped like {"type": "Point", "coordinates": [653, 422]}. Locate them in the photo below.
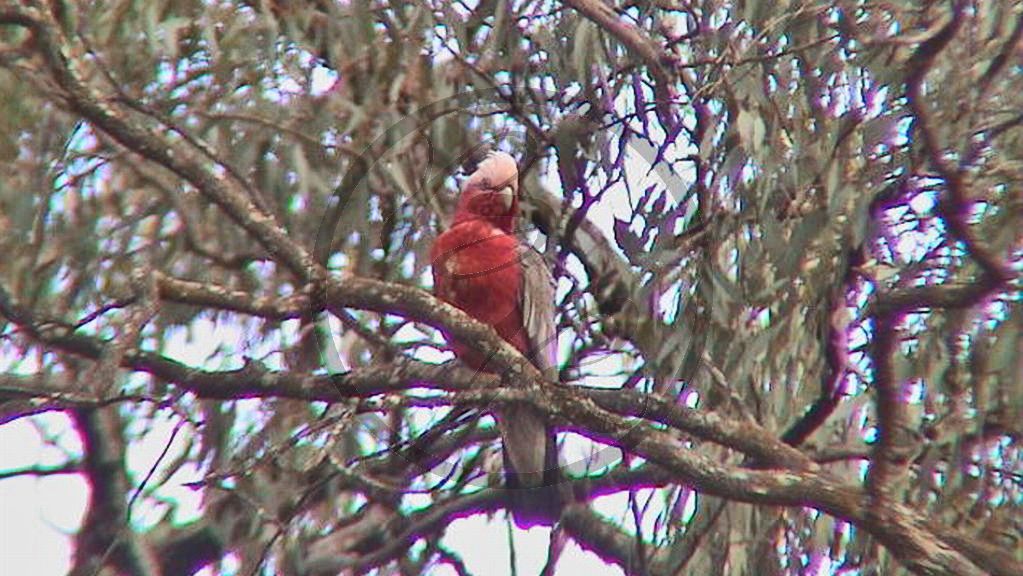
{"type": "Point", "coordinates": [480, 266]}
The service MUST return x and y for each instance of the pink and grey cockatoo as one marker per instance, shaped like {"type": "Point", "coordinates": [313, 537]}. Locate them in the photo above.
{"type": "Point", "coordinates": [480, 266]}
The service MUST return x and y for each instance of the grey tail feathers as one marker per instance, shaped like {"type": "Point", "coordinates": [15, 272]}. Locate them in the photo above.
{"type": "Point", "coordinates": [532, 470]}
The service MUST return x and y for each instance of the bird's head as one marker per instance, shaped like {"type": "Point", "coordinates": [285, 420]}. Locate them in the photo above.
{"type": "Point", "coordinates": [492, 192]}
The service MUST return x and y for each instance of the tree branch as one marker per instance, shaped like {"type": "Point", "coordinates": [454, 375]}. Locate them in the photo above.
{"type": "Point", "coordinates": [61, 56]}
{"type": "Point", "coordinates": [610, 543]}
{"type": "Point", "coordinates": [640, 45]}
{"type": "Point", "coordinates": [41, 471]}
{"type": "Point", "coordinates": [904, 531]}
{"type": "Point", "coordinates": [224, 298]}
{"type": "Point", "coordinates": [105, 535]}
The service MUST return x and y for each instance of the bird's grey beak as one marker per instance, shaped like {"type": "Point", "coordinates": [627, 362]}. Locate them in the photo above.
{"type": "Point", "coordinates": [507, 195]}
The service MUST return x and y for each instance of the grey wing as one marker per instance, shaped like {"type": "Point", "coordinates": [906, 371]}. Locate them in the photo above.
{"type": "Point", "coordinates": [530, 445]}
{"type": "Point", "coordinates": [538, 312]}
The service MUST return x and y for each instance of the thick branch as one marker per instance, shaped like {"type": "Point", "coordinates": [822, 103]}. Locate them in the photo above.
{"type": "Point", "coordinates": [890, 458]}
{"type": "Point", "coordinates": [611, 544]}
{"type": "Point", "coordinates": [223, 298]}
{"type": "Point", "coordinates": [255, 381]}
{"type": "Point", "coordinates": [104, 536]}
{"type": "Point", "coordinates": [903, 530]}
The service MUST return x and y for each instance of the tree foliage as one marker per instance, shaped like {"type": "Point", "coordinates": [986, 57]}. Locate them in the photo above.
{"type": "Point", "coordinates": [787, 237]}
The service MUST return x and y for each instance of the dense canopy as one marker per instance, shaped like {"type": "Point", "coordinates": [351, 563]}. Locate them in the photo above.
{"type": "Point", "coordinates": [788, 240]}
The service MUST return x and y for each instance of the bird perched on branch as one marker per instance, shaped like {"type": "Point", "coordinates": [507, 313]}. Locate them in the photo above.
{"type": "Point", "coordinates": [481, 267]}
